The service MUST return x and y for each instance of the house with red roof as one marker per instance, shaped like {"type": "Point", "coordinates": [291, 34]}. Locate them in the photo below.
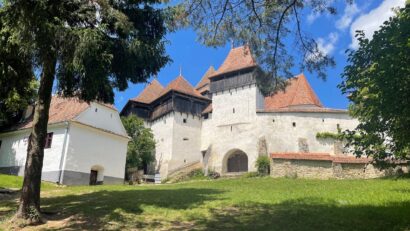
{"type": "Point", "coordinates": [224, 123]}
{"type": "Point", "coordinates": [86, 144]}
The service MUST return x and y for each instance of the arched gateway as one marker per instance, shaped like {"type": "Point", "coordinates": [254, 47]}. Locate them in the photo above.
{"type": "Point", "coordinates": [236, 161]}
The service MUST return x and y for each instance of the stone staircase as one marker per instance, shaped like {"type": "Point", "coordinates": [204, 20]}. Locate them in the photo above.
{"type": "Point", "coordinates": [185, 169]}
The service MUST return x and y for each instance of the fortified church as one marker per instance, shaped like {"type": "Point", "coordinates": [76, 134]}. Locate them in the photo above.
{"type": "Point", "coordinates": [224, 123]}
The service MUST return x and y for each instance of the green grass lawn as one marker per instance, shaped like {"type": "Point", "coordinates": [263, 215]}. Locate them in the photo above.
{"type": "Point", "coordinates": [228, 204]}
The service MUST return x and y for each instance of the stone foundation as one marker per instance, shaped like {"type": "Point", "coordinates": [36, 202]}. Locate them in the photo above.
{"type": "Point", "coordinates": [324, 169]}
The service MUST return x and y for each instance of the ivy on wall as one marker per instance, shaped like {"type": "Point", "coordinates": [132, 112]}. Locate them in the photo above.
{"type": "Point", "coordinates": [329, 135]}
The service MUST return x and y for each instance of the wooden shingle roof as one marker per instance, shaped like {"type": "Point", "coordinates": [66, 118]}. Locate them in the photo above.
{"type": "Point", "coordinates": [203, 84]}
{"type": "Point", "coordinates": [298, 92]}
{"type": "Point", "coordinates": [238, 58]}
{"type": "Point", "coordinates": [180, 84]}
{"type": "Point", "coordinates": [150, 93]}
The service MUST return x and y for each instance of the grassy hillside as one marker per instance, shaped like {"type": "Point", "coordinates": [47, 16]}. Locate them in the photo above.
{"type": "Point", "coordinates": [231, 204]}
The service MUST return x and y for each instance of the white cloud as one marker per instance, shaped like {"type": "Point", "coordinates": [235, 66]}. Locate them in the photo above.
{"type": "Point", "coordinates": [312, 17]}
{"type": "Point", "coordinates": [371, 21]}
{"type": "Point", "coordinates": [350, 11]}
{"type": "Point", "coordinates": [327, 45]}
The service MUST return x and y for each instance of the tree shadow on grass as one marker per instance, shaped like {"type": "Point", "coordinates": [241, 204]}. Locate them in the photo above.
{"type": "Point", "coordinates": [308, 214]}
{"type": "Point", "coordinates": [93, 210]}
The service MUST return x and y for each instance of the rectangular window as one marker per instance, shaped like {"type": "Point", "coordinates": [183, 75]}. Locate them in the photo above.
{"type": "Point", "coordinates": [49, 139]}
{"type": "Point", "coordinates": [0, 144]}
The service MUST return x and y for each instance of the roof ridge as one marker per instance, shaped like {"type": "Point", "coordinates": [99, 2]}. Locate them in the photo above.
{"type": "Point", "coordinates": [297, 87]}
{"type": "Point", "coordinates": [150, 92]}
{"type": "Point", "coordinates": [297, 92]}
{"type": "Point", "coordinates": [205, 78]}
{"type": "Point", "coordinates": [180, 84]}
{"type": "Point", "coordinates": [238, 58]}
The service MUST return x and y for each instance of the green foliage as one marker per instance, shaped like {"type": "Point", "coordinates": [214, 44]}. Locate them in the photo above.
{"type": "Point", "coordinates": [251, 175]}
{"type": "Point", "coordinates": [329, 135]}
{"type": "Point", "coordinates": [94, 48]}
{"type": "Point", "coordinates": [196, 174]}
{"type": "Point", "coordinates": [141, 146]}
{"type": "Point", "coordinates": [262, 165]}
{"type": "Point", "coordinates": [264, 26]}
{"type": "Point", "coordinates": [17, 82]}
{"type": "Point", "coordinates": [378, 85]}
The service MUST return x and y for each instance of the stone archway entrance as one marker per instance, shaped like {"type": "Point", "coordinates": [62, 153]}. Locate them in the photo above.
{"type": "Point", "coordinates": [237, 161]}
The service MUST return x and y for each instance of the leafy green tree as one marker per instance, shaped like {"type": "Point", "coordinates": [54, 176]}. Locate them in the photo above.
{"type": "Point", "coordinates": [377, 82]}
{"type": "Point", "coordinates": [141, 146]}
{"type": "Point", "coordinates": [89, 47]}
{"type": "Point", "coordinates": [272, 29]}
{"type": "Point", "coordinates": [17, 83]}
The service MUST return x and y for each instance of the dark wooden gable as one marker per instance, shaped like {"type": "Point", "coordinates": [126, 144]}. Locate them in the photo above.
{"type": "Point", "coordinates": [172, 101]}
{"type": "Point", "coordinates": [233, 80]}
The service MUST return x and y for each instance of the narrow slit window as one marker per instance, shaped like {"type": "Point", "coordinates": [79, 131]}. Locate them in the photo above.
{"type": "Point", "coordinates": [49, 140]}
{"type": "Point", "coordinates": [294, 124]}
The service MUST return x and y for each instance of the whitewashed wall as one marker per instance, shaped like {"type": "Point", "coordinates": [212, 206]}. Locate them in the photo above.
{"type": "Point", "coordinates": [225, 131]}
{"type": "Point", "coordinates": [90, 147]}
{"type": "Point", "coordinates": [235, 106]}
{"type": "Point", "coordinates": [103, 117]}
{"type": "Point", "coordinates": [232, 126]}
{"type": "Point", "coordinates": [13, 150]}
{"type": "Point", "coordinates": [281, 136]}
{"type": "Point", "coordinates": [163, 130]}
{"type": "Point", "coordinates": [186, 140]}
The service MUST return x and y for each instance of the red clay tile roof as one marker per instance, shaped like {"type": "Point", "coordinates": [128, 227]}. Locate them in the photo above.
{"type": "Point", "coordinates": [297, 93]}
{"type": "Point", "coordinates": [205, 78]}
{"type": "Point", "coordinates": [181, 85]}
{"type": "Point", "coordinates": [207, 109]}
{"type": "Point", "coordinates": [203, 84]}
{"type": "Point", "coordinates": [237, 59]}
{"type": "Point", "coordinates": [61, 109]}
{"type": "Point", "coordinates": [321, 157]}
{"type": "Point", "coordinates": [305, 110]}
{"type": "Point", "coordinates": [150, 92]}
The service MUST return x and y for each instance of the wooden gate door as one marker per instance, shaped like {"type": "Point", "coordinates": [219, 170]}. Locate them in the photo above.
{"type": "Point", "coordinates": [93, 177]}
{"type": "Point", "coordinates": [238, 162]}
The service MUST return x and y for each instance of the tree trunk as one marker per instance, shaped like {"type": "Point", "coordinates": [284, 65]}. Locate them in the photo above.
{"type": "Point", "coordinates": [29, 208]}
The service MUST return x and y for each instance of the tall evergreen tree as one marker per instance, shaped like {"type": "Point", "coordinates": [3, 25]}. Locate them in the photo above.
{"type": "Point", "coordinates": [90, 47]}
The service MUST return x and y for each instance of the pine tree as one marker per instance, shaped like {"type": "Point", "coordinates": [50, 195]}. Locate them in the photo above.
{"type": "Point", "coordinates": [86, 48]}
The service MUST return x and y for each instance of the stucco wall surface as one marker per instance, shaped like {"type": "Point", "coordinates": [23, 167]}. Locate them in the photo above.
{"type": "Point", "coordinates": [88, 147]}
{"type": "Point", "coordinates": [186, 140]}
{"type": "Point", "coordinates": [103, 117]}
{"type": "Point", "coordinates": [162, 128]}
{"type": "Point", "coordinates": [13, 152]}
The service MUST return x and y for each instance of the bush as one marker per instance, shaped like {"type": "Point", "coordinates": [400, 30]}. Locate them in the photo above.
{"type": "Point", "coordinates": [251, 174]}
{"type": "Point", "coordinates": [263, 165]}
{"type": "Point", "coordinates": [196, 173]}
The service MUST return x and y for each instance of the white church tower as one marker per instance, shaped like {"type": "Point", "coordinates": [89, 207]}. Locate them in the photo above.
{"type": "Point", "coordinates": [235, 102]}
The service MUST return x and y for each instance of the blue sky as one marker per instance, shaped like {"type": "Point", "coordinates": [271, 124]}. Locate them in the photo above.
{"type": "Point", "coordinates": [334, 33]}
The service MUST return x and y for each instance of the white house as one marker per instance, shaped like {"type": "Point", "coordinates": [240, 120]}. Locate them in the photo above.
{"type": "Point", "coordinates": [225, 124]}
{"type": "Point", "coordinates": [86, 144]}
